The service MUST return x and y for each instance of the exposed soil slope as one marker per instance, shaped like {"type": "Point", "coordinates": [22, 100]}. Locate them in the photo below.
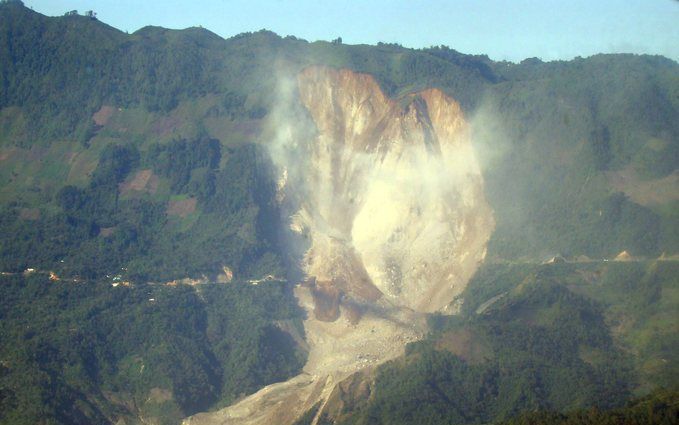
{"type": "Point", "coordinates": [386, 200]}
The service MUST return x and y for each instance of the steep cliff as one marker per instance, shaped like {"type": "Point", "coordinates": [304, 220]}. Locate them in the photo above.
{"type": "Point", "coordinates": [393, 202]}
{"type": "Point", "coordinates": [387, 216]}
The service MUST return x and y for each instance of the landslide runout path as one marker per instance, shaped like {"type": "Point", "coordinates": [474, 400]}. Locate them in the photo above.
{"type": "Point", "coordinates": [387, 194]}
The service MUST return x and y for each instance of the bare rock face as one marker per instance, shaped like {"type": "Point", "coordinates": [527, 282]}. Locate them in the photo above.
{"type": "Point", "coordinates": [394, 201]}
{"type": "Point", "coordinates": [388, 221]}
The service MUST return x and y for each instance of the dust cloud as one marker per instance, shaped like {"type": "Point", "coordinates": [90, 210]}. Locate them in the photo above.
{"type": "Point", "coordinates": [385, 220]}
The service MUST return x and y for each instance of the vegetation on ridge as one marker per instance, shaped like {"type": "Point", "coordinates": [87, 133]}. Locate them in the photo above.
{"type": "Point", "coordinates": [90, 353]}
{"type": "Point", "coordinates": [138, 156]}
{"type": "Point", "coordinates": [554, 338]}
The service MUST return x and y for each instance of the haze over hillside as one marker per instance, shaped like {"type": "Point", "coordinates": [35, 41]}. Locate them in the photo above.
{"type": "Point", "coordinates": [550, 31]}
{"type": "Point", "coordinates": [266, 230]}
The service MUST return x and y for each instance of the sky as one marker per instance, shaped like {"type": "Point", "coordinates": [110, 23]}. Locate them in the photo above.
{"type": "Point", "coordinates": [504, 30]}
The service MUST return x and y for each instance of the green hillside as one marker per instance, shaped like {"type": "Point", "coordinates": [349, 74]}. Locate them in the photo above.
{"type": "Point", "coordinates": [659, 408]}
{"type": "Point", "coordinates": [90, 353]}
{"type": "Point", "coordinates": [554, 338]}
{"type": "Point", "coordinates": [142, 158]}
{"type": "Point", "coordinates": [556, 136]}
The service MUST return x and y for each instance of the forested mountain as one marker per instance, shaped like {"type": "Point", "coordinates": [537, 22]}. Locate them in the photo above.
{"type": "Point", "coordinates": [599, 135]}
{"type": "Point", "coordinates": [551, 337]}
{"type": "Point", "coordinates": [142, 158]}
